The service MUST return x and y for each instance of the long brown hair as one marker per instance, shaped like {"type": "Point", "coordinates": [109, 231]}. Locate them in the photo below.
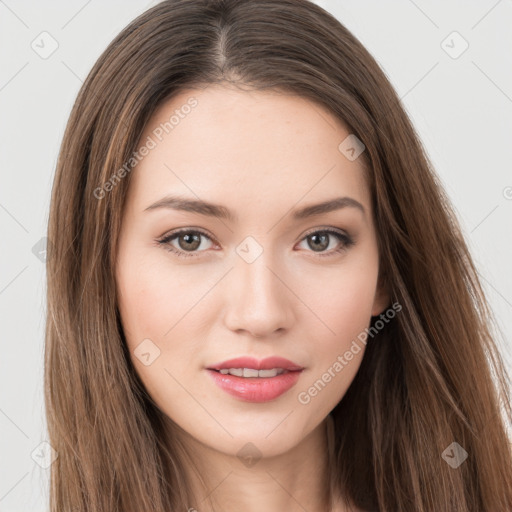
{"type": "Point", "coordinates": [430, 378]}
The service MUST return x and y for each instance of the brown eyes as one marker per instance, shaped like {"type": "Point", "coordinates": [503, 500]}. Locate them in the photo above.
{"type": "Point", "coordinates": [190, 240]}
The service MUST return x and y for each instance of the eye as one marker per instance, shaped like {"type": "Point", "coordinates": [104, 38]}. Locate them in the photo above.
{"type": "Point", "coordinates": [187, 240]}
{"type": "Point", "coordinates": [320, 240]}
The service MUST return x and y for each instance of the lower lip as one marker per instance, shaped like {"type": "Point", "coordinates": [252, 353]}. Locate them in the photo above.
{"type": "Point", "coordinates": [255, 389]}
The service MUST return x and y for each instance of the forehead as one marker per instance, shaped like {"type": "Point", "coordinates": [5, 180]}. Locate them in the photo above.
{"type": "Point", "coordinates": [233, 146]}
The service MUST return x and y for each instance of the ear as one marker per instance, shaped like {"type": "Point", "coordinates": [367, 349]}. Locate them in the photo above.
{"type": "Point", "coordinates": [382, 297]}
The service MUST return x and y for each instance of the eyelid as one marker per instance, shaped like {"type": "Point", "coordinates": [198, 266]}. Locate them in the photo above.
{"type": "Point", "coordinates": [324, 229]}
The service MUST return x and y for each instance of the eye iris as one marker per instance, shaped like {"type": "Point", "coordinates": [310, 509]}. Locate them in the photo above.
{"type": "Point", "coordinates": [194, 239]}
{"type": "Point", "coordinates": [315, 238]}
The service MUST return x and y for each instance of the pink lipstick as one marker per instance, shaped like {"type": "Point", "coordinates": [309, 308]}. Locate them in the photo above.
{"type": "Point", "coordinates": [255, 380]}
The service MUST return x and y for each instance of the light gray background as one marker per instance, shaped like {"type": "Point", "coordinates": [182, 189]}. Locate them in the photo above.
{"type": "Point", "coordinates": [462, 108]}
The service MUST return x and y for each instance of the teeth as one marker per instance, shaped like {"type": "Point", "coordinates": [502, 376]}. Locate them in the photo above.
{"type": "Point", "coordinates": [251, 372]}
{"type": "Point", "coordinates": [269, 373]}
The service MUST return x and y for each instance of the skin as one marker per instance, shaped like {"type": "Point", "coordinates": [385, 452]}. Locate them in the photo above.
{"type": "Point", "coordinates": [262, 155]}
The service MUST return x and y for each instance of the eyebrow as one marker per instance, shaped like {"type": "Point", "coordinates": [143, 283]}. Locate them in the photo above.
{"type": "Point", "coordinates": [221, 212]}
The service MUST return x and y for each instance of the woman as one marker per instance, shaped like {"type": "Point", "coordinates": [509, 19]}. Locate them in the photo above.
{"type": "Point", "coordinates": [259, 296]}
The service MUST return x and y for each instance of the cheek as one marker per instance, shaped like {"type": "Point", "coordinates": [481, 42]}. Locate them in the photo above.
{"type": "Point", "coordinates": [154, 300]}
{"type": "Point", "coordinates": [342, 300]}
{"type": "Point", "coordinates": [153, 297]}
{"type": "Point", "coordinates": [165, 304]}
{"type": "Point", "coordinates": [342, 296]}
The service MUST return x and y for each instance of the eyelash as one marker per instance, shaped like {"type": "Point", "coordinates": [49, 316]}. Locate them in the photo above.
{"type": "Point", "coordinates": [346, 240]}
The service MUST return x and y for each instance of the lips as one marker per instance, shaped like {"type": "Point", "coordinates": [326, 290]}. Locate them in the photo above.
{"type": "Point", "coordinates": [264, 364]}
{"type": "Point", "coordinates": [252, 388]}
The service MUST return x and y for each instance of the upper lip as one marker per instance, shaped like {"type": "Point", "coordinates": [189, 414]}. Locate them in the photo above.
{"type": "Point", "coordinates": [264, 364]}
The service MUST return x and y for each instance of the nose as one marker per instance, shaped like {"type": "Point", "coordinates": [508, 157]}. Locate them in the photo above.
{"type": "Point", "coordinates": [258, 300]}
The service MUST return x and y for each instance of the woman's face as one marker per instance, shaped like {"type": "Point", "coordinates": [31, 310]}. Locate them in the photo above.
{"type": "Point", "coordinates": [262, 274]}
